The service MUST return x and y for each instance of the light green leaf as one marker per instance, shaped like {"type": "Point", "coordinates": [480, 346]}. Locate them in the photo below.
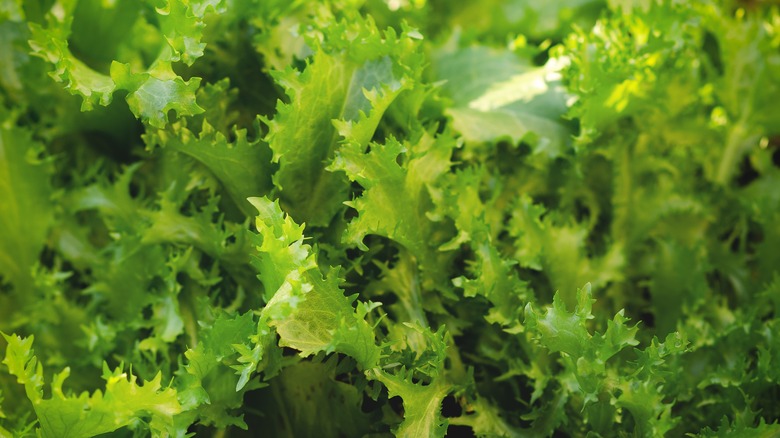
{"type": "Point", "coordinates": [151, 96]}
{"type": "Point", "coordinates": [396, 198]}
{"type": "Point", "coordinates": [242, 166]}
{"type": "Point", "coordinates": [353, 76]}
{"type": "Point", "coordinates": [496, 96]}
{"type": "Point", "coordinates": [210, 391]}
{"type": "Point", "coordinates": [490, 275]}
{"type": "Point", "coordinates": [307, 308]}
{"type": "Point", "coordinates": [422, 405]}
{"type": "Point", "coordinates": [153, 91]}
{"type": "Point", "coordinates": [122, 403]}
{"type": "Point", "coordinates": [25, 209]}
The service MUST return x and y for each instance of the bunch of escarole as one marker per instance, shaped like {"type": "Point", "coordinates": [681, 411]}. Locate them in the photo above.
{"type": "Point", "coordinates": [374, 218]}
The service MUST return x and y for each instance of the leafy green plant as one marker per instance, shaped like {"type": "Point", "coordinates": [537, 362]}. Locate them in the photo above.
{"type": "Point", "coordinates": [389, 218]}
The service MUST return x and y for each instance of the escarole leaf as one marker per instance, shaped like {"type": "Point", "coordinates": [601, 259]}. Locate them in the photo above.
{"type": "Point", "coordinates": [50, 42]}
{"type": "Point", "coordinates": [422, 405]}
{"type": "Point", "coordinates": [306, 306]}
{"type": "Point", "coordinates": [374, 218]}
{"type": "Point", "coordinates": [497, 96]}
{"type": "Point", "coordinates": [491, 274]}
{"type": "Point", "coordinates": [422, 397]}
{"type": "Point", "coordinates": [85, 415]}
{"type": "Point", "coordinates": [587, 357]}
{"type": "Point", "coordinates": [356, 71]}
{"type": "Point", "coordinates": [151, 91]}
{"type": "Point", "coordinates": [748, 88]}
{"type": "Point", "coordinates": [243, 166]}
{"type": "Point", "coordinates": [558, 249]}
{"type": "Point", "coordinates": [151, 95]}
{"type": "Point", "coordinates": [239, 164]}
{"type": "Point", "coordinates": [396, 200]}
{"type": "Point", "coordinates": [561, 331]}
{"type": "Point", "coordinates": [25, 209]}
{"type": "Point", "coordinates": [209, 391]}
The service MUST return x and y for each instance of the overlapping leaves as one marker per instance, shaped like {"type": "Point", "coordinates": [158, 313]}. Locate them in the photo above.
{"type": "Point", "coordinates": [367, 218]}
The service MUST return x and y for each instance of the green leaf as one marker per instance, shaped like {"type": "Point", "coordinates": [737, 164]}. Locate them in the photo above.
{"type": "Point", "coordinates": [352, 77]}
{"type": "Point", "coordinates": [493, 276]}
{"type": "Point", "coordinates": [214, 392]}
{"type": "Point", "coordinates": [241, 165]}
{"type": "Point", "coordinates": [678, 280]}
{"type": "Point", "coordinates": [485, 419]}
{"type": "Point", "coordinates": [560, 251]}
{"type": "Point", "coordinates": [309, 401]}
{"type": "Point", "coordinates": [307, 308]}
{"type": "Point", "coordinates": [562, 331]}
{"type": "Point", "coordinates": [748, 87]}
{"type": "Point", "coordinates": [151, 95]}
{"type": "Point", "coordinates": [153, 91]}
{"type": "Point", "coordinates": [422, 405]}
{"type": "Point", "coordinates": [513, 101]}
{"type": "Point", "coordinates": [122, 403]}
{"type": "Point", "coordinates": [495, 19]}
{"type": "Point", "coordinates": [741, 428]}
{"type": "Point", "coordinates": [50, 43]}
{"type": "Point", "coordinates": [384, 181]}
{"type": "Point", "coordinates": [25, 210]}
{"type": "Point", "coordinates": [441, 177]}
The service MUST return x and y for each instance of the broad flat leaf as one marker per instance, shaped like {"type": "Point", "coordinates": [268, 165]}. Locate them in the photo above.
{"type": "Point", "coordinates": [25, 206]}
{"type": "Point", "coordinates": [497, 97]}
{"type": "Point", "coordinates": [538, 20]}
